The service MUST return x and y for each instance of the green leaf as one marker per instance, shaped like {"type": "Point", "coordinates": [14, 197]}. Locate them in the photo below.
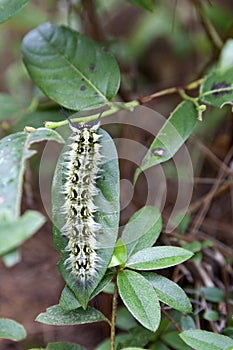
{"type": "Point", "coordinates": [138, 336]}
{"type": "Point", "coordinates": [217, 88]}
{"type": "Point", "coordinates": [64, 346]}
{"type": "Point", "coordinates": [142, 230]}
{"type": "Point", "coordinates": [119, 340]}
{"type": "Point", "coordinates": [54, 315]}
{"type": "Point", "coordinates": [158, 258]}
{"type": "Point", "coordinates": [14, 150]}
{"type": "Point", "coordinates": [158, 345]}
{"type": "Point", "coordinates": [171, 136]}
{"type": "Point", "coordinates": [172, 339]}
{"type": "Point", "coordinates": [187, 323]}
{"type": "Point", "coordinates": [119, 254]}
{"type": "Point", "coordinates": [203, 340]}
{"type": "Point", "coordinates": [9, 108]}
{"type": "Point", "coordinates": [194, 246]}
{"type": "Point", "coordinates": [140, 298]}
{"type": "Point", "coordinates": [11, 258]}
{"type": "Point", "coordinates": [10, 329]}
{"type": "Point", "coordinates": [70, 68]}
{"type": "Point", "coordinates": [68, 300]}
{"type": "Point", "coordinates": [144, 4]}
{"type": "Point", "coordinates": [15, 231]}
{"type": "Point", "coordinates": [169, 292]}
{"type": "Point", "coordinates": [106, 215]}
{"type": "Point", "coordinates": [211, 315]}
{"type": "Point", "coordinates": [124, 319]}
{"type": "Point", "coordinates": [9, 8]}
{"type": "Point", "coordinates": [213, 294]}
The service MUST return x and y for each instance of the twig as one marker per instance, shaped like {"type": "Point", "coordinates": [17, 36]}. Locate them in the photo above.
{"type": "Point", "coordinates": [170, 91]}
{"type": "Point", "coordinates": [176, 325]}
{"type": "Point", "coordinates": [210, 196]}
{"type": "Point", "coordinates": [113, 321]}
{"type": "Point", "coordinates": [113, 109]}
{"type": "Point", "coordinates": [211, 156]}
{"type": "Point", "coordinates": [214, 193]}
{"type": "Point", "coordinates": [210, 30]}
{"type": "Point", "coordinates": [96, 32]}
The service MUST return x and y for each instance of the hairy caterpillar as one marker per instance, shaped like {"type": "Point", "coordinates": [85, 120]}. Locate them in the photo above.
{"type": "Point", "coordinates": [81, 169]}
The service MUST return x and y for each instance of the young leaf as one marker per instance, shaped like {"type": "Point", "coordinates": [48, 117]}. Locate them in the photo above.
{"type": "Point", "coordinates": [106, 215]}
{"type": "Point", "coordinates": [10, 8]}
{"type": "Point", "coordinates": [64, 346]}
{"type": "Point", "coordinates": [217, 87]}
{"type": "Point", "coordinates": [119, 254]}
{"type": "Point", "coordinates": [171, 136]}
{"type": "Point", "coordinates": [68, 300]}
{"type": "Point", "coordinates": [140, 298]}
{"type": "Point", "coordinates": [10, 329]}
{"type": "Point", "coordinates": [54, 315]}
{"type": "Point", "coordinates": [158, 258]}
{"type": "Point", "coordinates": [15, 231]}
{"type": "Point", "coordinates": [168, 292]}
{"type": "Point", "coordinates": [144, 4]}
{"type": "Point", "coordinates": [203, 340]}
{"type": "Point", "coordinates": [142, 230]}
{"type": "Point", "coordinates": [70, 68]}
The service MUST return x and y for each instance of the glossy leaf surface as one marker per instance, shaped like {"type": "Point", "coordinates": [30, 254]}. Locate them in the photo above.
{"type": "Point", "coordinates": [10, 8]}
{"type": "Point", "coordinates": [70, 68]}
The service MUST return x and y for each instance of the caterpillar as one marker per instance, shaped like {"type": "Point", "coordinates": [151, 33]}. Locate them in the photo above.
{"type": "Point", "coordinates": [81, 170]}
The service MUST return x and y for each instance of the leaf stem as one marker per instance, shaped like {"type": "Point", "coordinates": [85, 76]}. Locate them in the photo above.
{"type": "Point", "coordinates": [200, 108]}
{"type": "Point", "coordinates": [113, 321]}
{"type": "Point", "coordinates": [114, 109]}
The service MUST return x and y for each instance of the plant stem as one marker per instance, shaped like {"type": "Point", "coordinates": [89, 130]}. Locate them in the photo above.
{"type": "Point", "coordinates": [130, 105]}
{"type": "Point", "coordinates": [210, 30]}
{"type": "Point", "coordinates": [114, 109]}
{"type": "Point", "coordinates": [113, 322]}
{"type": "Point", "coordinates": [173, 90]}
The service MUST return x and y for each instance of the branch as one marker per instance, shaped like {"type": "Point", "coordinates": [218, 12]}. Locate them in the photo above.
{"type": "Point", "coordinates": [210, 30]}
{"type": "Point", "coordinates": [173, 90]}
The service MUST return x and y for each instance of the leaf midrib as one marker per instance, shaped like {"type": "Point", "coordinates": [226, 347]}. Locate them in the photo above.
{"type": "Point", "coordinates": [76, 69]}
